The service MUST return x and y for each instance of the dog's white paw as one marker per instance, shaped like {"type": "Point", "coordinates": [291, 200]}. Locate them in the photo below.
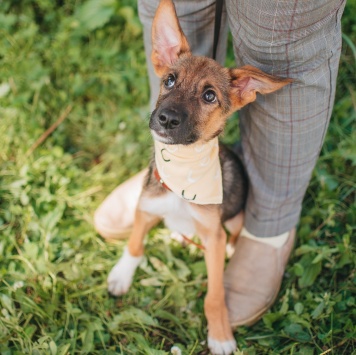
{"type": "Point", "coordinates": [121, 275]}
{"type": "Point", "coordinates": [221, 347]}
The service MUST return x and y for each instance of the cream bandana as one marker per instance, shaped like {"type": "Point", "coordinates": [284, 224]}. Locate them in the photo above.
{"type": "Point", "coordinates": [192, 172]}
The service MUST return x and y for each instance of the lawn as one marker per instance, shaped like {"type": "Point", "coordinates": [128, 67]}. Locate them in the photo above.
{"type": "Point", "coordinates": [80, 66]}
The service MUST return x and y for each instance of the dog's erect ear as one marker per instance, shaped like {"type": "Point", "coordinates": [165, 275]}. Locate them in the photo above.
{"type": "Point", "coordinates": [168, 40]}
{"type": "Point", "coordinates": [247, 81]}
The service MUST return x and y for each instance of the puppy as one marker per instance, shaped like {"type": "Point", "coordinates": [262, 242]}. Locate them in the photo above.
{"type": "Point", "coordinates": [194, 183]}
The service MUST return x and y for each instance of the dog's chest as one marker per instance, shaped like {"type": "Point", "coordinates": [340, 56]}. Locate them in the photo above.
{"type": "Point", "coordinates": [178, 215]}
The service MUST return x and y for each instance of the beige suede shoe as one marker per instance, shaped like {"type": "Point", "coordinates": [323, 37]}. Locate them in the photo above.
{"type": "Point", "coordinates": [253, 278]}
{"type": "Point", "coordinates": [113, 219]}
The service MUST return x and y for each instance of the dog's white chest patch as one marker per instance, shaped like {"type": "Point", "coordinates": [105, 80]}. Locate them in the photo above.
{"type": "Point", "coordinates": [177, 213]}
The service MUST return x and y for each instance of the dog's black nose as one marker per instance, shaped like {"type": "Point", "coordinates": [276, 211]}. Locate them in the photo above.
{"type": "Point", "coordinates": [169, 119]}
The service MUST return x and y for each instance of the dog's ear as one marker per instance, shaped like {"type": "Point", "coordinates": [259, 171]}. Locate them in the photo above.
{"type": "Point", "coordinates": [168, 40]}
{"type": "Point", "coordinates": [247, 81]}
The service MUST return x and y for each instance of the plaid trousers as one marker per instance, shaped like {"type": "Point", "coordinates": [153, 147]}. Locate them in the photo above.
{"type": "Point", "coordinates": [281, 133]}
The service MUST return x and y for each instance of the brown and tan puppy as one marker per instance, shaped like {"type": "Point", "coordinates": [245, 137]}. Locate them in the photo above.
{"type": "Point", "coordinates": [196, 98]}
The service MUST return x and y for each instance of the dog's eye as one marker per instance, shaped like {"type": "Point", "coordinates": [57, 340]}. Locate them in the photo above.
{"type": "Point", "coordinates": [209, 96]}
{"type": "Point", "coordinates": [170, 81]}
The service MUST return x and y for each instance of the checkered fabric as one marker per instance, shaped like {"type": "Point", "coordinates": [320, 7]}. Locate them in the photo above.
{"type": "Point", "coordinates": [281, 133]}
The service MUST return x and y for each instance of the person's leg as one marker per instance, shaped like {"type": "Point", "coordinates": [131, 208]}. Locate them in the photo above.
{"type": "Point", "coordinates": [114, 217]}
{"type": "Point", "coordinates": [282, 133]}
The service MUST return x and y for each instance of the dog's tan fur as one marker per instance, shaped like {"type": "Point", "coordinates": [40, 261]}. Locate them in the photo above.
{"type": "Point", "coordinates": [234, 88]}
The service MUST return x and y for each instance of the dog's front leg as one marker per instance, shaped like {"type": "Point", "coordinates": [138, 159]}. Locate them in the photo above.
{"type": "Point", "coordinates": [220, 337]}
{"type": "Point", "coordinates": [121, 275]}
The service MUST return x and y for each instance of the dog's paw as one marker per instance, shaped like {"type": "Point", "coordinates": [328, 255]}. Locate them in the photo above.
{"type": "Point", "coordinates": [121, 275]}
{"type": "Point", "coordinates": [217, 347]}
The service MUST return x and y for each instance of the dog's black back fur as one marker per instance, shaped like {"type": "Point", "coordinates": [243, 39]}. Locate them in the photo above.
{"type": "Point", "coordinates": [235, 183]}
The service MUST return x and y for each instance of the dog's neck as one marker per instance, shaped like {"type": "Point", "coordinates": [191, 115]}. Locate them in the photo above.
{"type": "Point", "coordinates": [193, 172]}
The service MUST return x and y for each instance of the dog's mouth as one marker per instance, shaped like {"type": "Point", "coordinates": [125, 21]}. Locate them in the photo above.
{"type": "Point", "coordinates": [172, 126]}
{"type": "Point", "coordinates": [162, 137]}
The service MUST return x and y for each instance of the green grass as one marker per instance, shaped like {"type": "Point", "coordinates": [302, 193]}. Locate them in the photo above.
{"type": "Point", "coordinates": [65, 56]}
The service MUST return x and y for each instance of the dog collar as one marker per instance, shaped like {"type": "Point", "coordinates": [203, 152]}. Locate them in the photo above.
{"type": "Point", "coordinates": [193, 172]}
{"type": "Point", "coordinates": [159, 179]}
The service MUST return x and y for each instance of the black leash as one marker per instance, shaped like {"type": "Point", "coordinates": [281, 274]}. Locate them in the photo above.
{"type": "Point", "coordinates": [217, 25]}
